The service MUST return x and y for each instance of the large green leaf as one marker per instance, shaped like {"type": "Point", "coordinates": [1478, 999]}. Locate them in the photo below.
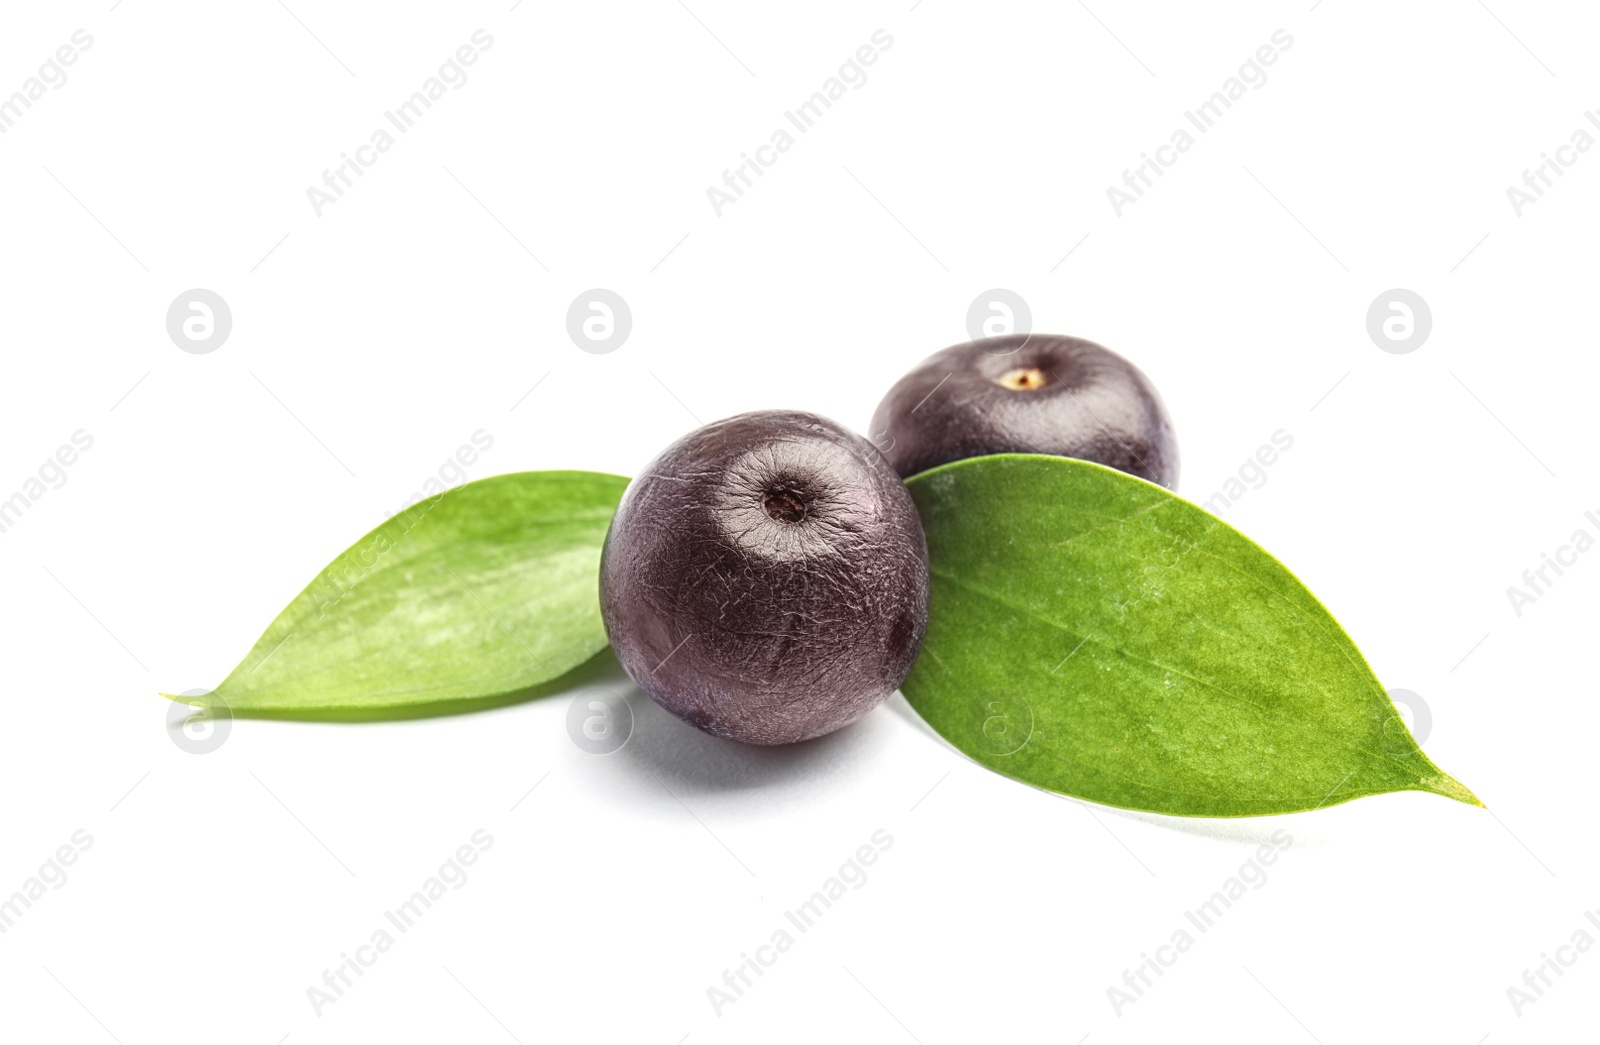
{"type": "Point", "coordinates": [1094, 635]}
{"type": "Point", "coordinates": [470, 598]}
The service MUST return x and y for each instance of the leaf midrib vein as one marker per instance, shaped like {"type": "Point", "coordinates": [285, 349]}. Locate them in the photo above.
{"type": "Point", "coordinates": [1269, 712]}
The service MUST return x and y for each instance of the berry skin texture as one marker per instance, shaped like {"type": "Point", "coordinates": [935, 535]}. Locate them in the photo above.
{"type": "Point", "coordinates": [1028, 393]}
{"type": "Point", "coordinates": [766, 578]}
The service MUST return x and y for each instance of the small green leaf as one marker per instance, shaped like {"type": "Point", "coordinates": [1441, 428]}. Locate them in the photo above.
{"type": "Point", "coordinates": [467, 599]}
{"type": "Point", "coordinates": [1094, 635]}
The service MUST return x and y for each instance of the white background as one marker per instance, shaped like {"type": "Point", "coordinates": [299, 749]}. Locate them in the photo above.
{"type": "Point", "coordinates": [373, 340]}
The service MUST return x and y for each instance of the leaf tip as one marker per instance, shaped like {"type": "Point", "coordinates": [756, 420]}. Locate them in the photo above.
{"type": "Point", "coordinates": [1448, 786]}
